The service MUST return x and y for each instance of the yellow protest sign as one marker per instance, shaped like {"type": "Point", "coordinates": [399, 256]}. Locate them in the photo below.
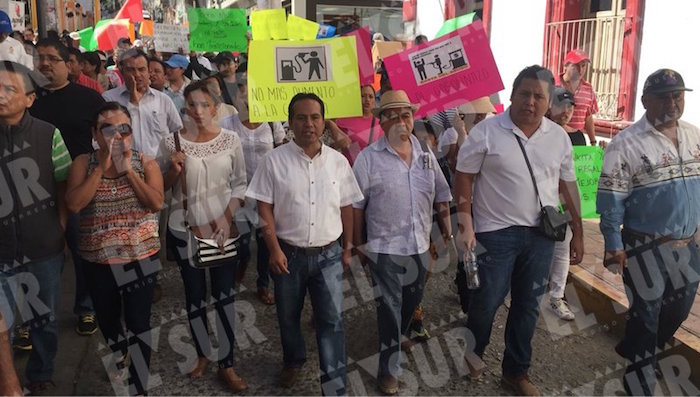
{"type": "Point", "coordinates": [301, 29]}
{"type": "Point", "coordinates": [269, 24]}
{"type": "Point", "coordinates": [283, 69]}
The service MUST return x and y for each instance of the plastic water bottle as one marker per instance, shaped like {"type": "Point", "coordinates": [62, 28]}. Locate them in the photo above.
{"type": "Point", "coordinates": [472, 269]}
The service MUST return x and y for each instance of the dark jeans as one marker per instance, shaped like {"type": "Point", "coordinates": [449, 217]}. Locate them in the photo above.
{"type": "Point", "coordinates": [263, 254]}
{"type": "Point", "coordinates": [82, 304]}
{"type": "Point", "coordinates": [398, 287]}
{"type": "Point", "coordinates": [518, 259]}
{"type": "Point", "coordinates": [39, 281]}
{"type": "Point", "coordinates": [131, 286]}
{"type": "Point", "coordinates": [222, 285]}
{"type": "Point", "coordinates": [322, 275]}
{"type": "Point", "coordinates": [661, 281]}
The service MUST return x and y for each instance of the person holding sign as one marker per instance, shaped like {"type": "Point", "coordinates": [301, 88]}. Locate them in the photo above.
{"type": "Point", "coordinates": [646, 187]}
{"type": "Point", "coordinates": [515, 163]}
{"type": "Point", "coordinates": [305, 192]}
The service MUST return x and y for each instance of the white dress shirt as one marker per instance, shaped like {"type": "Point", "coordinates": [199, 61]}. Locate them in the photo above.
{"type": "Point", "coordinates": [503, 194]}
{"type": "Point", "coordinates": [152, 119]}
{"type": "Point", "coordinates": [13, 50]}
{"type": "Point", "coordinates": [307, 193]}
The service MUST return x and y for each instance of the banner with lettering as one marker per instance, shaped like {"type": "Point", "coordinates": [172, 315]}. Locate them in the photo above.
{"type": "Point", "coordinates": [218, 29]}
{"type": "Point", "coordinates": [284, 68]}
{"type": "Point", "coordinates": [170, 38]}
{"type": "Point", "coordinates": [446, 72]}
{"type": "Point", "coordinates": [588, 163]}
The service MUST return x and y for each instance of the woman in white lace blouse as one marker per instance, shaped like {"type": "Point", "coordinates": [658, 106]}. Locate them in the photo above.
{"type": "Point", "coordinates": [212, 160]}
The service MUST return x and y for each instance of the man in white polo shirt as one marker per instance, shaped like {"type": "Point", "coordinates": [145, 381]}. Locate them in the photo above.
{"type": "Point", "coordinates": [305, 192]}
{"type": "Point", "coordinates": [512, 253]}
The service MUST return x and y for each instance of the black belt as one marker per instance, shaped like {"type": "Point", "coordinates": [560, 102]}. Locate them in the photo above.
{"type": "Point", "coordinates": [306, 251]}
{"type": "Point", "coordinates": [657, 240]}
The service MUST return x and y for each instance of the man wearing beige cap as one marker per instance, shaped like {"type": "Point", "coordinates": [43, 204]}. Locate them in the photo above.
{"type": "Point", "coordinates": [401, 183]}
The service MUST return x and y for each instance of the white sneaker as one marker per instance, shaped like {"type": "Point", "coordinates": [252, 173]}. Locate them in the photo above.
{"type": "Point", "coordinates": [561, 309]}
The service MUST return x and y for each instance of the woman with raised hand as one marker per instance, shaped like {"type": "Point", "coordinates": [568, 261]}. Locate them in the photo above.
{"type": "Point", "coordinates": [118, 192]}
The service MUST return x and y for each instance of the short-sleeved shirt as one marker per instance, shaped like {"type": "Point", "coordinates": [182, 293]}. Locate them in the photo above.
{"type": "Point", "coordinates": [256, 143]}
{"type": "Point", "coordinates": [215, 172]}
{"type": "Point", "coordinates": [152, 119]}
{"type": "Point", "coordinates": [585, 103]}
{"type": "Point", "coordinates": [307, 193]}
{"type": "Point", "coordinates": [448, 138]}
{"type": "Point", "coordinates": [503, 194]}
{"type": "Point", "coordinates": [399, 199]}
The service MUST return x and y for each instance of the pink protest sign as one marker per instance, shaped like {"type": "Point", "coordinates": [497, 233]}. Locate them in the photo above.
{"type": "Point", "coordinates": [364, 55]}
{"type": "Point", "coordinates": [446, 72]}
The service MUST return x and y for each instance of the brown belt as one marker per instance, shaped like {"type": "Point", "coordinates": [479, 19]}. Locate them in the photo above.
{"type": "Point", "coordinates": [306, 251]}
{"type": "Point", "coordinates": [658, 240]}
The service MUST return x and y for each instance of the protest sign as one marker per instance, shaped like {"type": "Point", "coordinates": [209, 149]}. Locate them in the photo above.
{"type": "Point", "coordinates": [217, 29]}
{"type": "Point", "coordinates": [446, 72]}
{"type": "Point", "coordinates": [325, 31]}
{"type": "Point", "coordinates": [301, 29]}
{"type": "Point", "coordinates": [383, 49]}
{"type": "Point", "coordinates": [170, 38]}
{"type": "Point", "coordinates": [364, 55]}
{"type": "Point", "coordinates": [269, 24]}
{"type": "Point", "coordinates": [327, 68]}
{"type": "Point", "coordinates": [588, 163]}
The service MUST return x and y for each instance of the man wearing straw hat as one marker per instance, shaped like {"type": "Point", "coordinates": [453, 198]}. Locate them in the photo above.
{"type": "Point", "coordinates": [401, 182]}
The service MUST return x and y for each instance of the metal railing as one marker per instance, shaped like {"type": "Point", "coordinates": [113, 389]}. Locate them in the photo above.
{"type": "Point", "coordinates": [602, 39]}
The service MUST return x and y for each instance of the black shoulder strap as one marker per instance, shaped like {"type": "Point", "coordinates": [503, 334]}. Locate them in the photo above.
{"type": "Point", "coordinates": [371, 131]}
{"type": "Point", "coordinates": [529, 167]}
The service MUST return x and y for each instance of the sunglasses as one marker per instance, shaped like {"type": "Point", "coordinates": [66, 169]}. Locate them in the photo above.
{"type": "Point", "coordinates": [110, 130]}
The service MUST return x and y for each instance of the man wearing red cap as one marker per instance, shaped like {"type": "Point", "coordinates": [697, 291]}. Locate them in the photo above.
{"type": "Point", "coordinates": [585, 103]}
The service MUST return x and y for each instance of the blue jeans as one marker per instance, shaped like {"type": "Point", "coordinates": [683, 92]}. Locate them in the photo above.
{"type": "Point", "coordinates": [83, 303]}
{"type": "Point", "coordinates": [262, 257]}
{"type": "Point", "coordinates": [40, 282]}
{"type": "Point", "coordinates": [518, 259]}
{"type": "Point", "coordinates": [322, 275]}
{"type": "Point", "coordinates": [222, 289]}
{"type": "Point", "coordinates": [660, 281]}
{"type": "Point", "coordinates": [399, 283]}
{"type": "Point", "coordinates": [128, 287]}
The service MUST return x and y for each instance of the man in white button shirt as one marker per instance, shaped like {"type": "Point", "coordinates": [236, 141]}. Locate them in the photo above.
{"type": "Point", "coordinates": [11, 49]}
{"type": "Point", "coordinates": [512, 253]}
{"type": "Point", "coordinates": [305, 192]}
{"type": "Point", "coordinates": [153, 114]}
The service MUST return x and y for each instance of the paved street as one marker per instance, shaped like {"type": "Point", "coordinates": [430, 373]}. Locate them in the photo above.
{"type": "Point", "coordinates": [569, 358]}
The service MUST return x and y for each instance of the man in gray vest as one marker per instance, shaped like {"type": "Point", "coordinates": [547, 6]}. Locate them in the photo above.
{"type": "Point", "coordinates": [33, 170]}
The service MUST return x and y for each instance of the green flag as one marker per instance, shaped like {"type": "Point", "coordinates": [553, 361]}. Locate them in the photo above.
{"type": "Point", "coordinates": [86, 39]}
{"type": "Point", "coordinates": [455, 23]}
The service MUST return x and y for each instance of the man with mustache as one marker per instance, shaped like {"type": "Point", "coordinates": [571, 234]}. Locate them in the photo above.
{"type": "Point", "coordinates": [402, 182]}
{"type": "Point", "coordinates": [503, 216]}
{"type": "Point", "coordinates": [70, 107]}
{"type": "Point", "coordinates": [649, 186]}
{"type": "Point", "coordinates": [153, 113]}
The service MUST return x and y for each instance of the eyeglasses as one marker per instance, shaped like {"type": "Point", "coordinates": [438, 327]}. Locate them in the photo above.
{"type": "Point", "coordinates": [109, 130]}
{"type": "Point", "coordinates": [394, 116]}
{"type": "Point", "coordinates": [50, 59]}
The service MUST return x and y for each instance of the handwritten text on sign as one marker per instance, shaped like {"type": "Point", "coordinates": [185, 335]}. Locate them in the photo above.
{"type": "Point", "coordinates": [588, 162]}
{"type": "Point", "coordinates": [170, 38]}
{"type": "Point", "coordinates": [218, 29]}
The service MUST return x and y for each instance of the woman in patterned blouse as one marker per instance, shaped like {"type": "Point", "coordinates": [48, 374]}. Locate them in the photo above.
{"type": "Point", "coordinates": [118, 192]}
